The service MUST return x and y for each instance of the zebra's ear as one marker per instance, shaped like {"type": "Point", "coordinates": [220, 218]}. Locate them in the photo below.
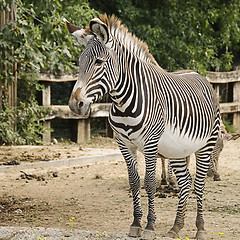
{"type": "Point", "coordinates": [100, 29]}
{"type": "Point", "coordinates": [82, 35]}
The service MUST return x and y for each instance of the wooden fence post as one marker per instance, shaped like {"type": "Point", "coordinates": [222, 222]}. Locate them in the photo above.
{"type": "Point", "coordinates": [108, 132]}
{"type": "Point", "coordinates": [236, 98]}
{"type": "Point", "coordinates": [216, 88]}
{"type": "Point", "coordinates": [83, 130]}
{"type": "Point", "coordinates": [46, 101]}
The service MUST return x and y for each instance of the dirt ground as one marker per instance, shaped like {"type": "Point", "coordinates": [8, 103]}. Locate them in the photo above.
{"type": "Point", "coordinates": [96, 197]}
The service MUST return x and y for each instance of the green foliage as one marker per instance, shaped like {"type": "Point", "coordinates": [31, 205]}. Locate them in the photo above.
{"type": "Point", "coordinates": [28, 119]}
{"type": "Point", "coordinates": [229, 126]}
{"type": "Point", "coordinates": [200, 35]}
{"type": "Point", "coordinates": [36, 46]}
{"type": "Point", "coordinates": [43, 46]}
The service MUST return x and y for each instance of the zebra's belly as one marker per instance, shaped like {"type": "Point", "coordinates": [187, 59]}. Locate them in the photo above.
{"type": "Point", "coordinates": [174, 145]}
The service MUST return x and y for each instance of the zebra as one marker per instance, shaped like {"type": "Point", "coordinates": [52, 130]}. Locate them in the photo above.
{"type": "Point", "coordinates": [153, 111]}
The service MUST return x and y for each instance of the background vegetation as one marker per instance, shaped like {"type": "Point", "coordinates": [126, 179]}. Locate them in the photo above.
{"type": "Point", "coordinates": [41, 43]}
{"type": "Point", "coordinates": [200, 35]}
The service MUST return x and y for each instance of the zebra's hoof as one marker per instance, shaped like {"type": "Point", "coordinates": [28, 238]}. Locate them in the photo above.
{"type": "Point", "coordinates": [210, 173]}
{"type": "Point", "coordinates": [172, 183]}
{"type": "Point", "coordinates": [216, 178]}
{"type": "Point", "coordinates": [163, 182]}
{"type": "Point", "coordinates": [148, 235]}
{"type": "Point", "coordinates": [135, 231]}
{"type": "Point", "coordinates": [201, 235]}
{"type": "Point", "coordinates": [172, 234]}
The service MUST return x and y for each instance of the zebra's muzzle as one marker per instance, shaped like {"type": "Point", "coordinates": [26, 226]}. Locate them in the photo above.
{"type": "Point", "coordinates": [78, 105]}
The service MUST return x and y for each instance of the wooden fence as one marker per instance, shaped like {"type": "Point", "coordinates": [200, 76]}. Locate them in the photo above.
{"type": "Point", "coordinates": [63, 111]}
{"type": "Point", "coordinates": [9, 91]}
{"type": "Point", "coordinates": [102, 109]}
{"type": "Point", "coordinates": [220, 79]}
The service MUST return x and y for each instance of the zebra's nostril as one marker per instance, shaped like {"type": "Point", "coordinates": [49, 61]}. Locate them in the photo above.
{"type": "Point", "coordinates": [80, 104]}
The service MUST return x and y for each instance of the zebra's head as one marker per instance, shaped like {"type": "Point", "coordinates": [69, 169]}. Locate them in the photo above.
{"type": "Point", "coordinates": [97, 71]}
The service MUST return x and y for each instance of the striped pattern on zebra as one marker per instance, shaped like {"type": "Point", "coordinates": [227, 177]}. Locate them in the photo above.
{"type": "Point", "coordinates": [167, 176]}
{"type": "Point", "coordinates": [153, 111]}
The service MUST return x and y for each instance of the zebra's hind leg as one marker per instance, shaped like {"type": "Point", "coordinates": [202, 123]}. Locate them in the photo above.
{"type": "Point", "coordinates": [184, 183]}
{"type": "Point", "coordinates": [214, 157]}
{"type": "Point", "coordinates": [130, 156]}
{"type": "Point", "coordinates": [170, 177]}
{"type": "Point", "coordinates": [163, 175]}
{"type": "Point", "coordinates": [202, 165]}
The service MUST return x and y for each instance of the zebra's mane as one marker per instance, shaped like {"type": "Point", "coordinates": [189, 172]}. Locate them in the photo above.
{"type": "Point", "coordinates": [129, 40]}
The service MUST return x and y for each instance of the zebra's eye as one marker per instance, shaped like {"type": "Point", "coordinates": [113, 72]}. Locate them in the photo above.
{"type": "Point", "coordinates": [99, 61]}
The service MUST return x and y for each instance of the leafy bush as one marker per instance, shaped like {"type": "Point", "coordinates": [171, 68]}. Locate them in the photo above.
{"type": "Point", "coordinates": [229, 126]}
{"type": "Point", "coordinates": [28, 118]}
{"type": "Point", "coordinates": [37, 41]}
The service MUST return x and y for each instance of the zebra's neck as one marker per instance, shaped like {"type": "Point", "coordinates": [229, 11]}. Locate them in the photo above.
{"type": "Point", "coordinates": [131, 84]}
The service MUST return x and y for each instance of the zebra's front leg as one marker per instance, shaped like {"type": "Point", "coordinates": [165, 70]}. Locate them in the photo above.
{"type": "Point", "coordinates": [130, 156]}
{"type": "Point", "coordinates": [184, 183]}
{"type": "Point", "coordinates": [202, 165]}
{"type": "Point", "coordinates": [150, 186]}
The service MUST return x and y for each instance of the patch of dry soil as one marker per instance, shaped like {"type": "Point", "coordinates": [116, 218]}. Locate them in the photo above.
{"type": "Point", "coordinates": [96, 197]}
{"type": "Point", "coordinates": [29, 153]}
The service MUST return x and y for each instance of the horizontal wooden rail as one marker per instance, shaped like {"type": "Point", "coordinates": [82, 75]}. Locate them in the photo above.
{"type": "Point", "coordinates": [232, 107]}
{"type": "Point", "coordinates": [63, 111]}
{"type": "Point", "coordinates": [223, 77]}
{"type": "Point", "coordinates": [212, 77]}
{"type": "Point", "coordinates": [61, 78]}
{"type": "Point", "coordinates": [102, 110]}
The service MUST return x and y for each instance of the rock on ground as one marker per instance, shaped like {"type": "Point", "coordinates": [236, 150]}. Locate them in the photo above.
{"type": "Point", "coordinates": [25, 233]}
